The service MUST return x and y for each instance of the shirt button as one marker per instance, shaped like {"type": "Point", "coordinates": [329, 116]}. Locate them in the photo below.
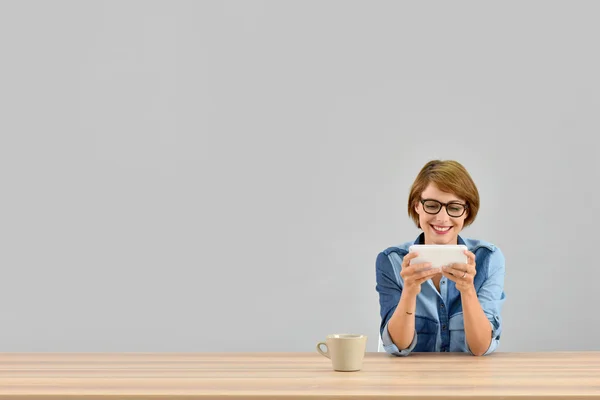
{"type": "Point", "coordinates": [443, 327]}
{"type": "Point", "coordinates": [442, 305]}
{"type": "Point", "coordinates": [443, 282]}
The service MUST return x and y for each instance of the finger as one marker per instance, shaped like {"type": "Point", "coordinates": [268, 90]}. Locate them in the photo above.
{"type": "Point", "coordinates": [455, 270]}
{"type": "Point", "coordinates": [468, 268]}
{"type": "Point", "coordinates": [470, 256]}
{"type": "Point", "coordinates": [426, 274]}
{"type": "Point", "coordinates": [460, 267]}
{"type": "Point", "coordinates": [421, 267]}
{"type": "Point", "coordinates": [421, 280]}
{"type": "Point", "coordinates": [450, 277]}
{"type": "Point", "coordinates": [407, 258]}
{"type": "Point", "coordinates": [415, 272]}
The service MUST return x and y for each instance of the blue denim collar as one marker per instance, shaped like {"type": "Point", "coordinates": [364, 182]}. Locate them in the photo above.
{"type": "Point", "coordinates": [421, 239]}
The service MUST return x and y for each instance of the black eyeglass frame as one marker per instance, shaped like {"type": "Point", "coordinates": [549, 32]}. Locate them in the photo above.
{"type": "Point", "coordinates": [445, 205]}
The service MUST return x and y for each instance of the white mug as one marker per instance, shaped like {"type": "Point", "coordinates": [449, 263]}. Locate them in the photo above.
{"type": "Point", "coordinates": [346, 351]}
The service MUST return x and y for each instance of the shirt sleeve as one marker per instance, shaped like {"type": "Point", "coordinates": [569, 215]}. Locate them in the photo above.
{"type": "Point", "coordinates": [491, 297]}
{"type": "Point", "coordinates": [389, 295]}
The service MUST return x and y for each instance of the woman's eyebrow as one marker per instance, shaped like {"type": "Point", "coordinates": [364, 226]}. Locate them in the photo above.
{"type": "Point", "coordinates": [448, 202]}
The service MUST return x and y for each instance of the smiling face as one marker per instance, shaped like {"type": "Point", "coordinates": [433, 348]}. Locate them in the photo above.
{"type": "Point", "coordinates": [440, 228]}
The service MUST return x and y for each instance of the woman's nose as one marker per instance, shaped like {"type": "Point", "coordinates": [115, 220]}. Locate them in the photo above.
{"type": "Point", "coordinates": [443, 215]}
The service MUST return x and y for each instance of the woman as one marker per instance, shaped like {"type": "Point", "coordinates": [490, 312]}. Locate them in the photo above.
{"type": "Point", "coordinates": [456, 308]}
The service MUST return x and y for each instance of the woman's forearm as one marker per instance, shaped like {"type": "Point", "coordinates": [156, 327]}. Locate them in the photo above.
{"type": "Point", "coordinates": [402, 324]}
{"type": "Point", "coordinates": [478, 330]}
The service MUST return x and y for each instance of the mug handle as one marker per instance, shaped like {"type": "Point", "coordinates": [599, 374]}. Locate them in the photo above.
{"type": "Point", "coordinates": [323, 353]}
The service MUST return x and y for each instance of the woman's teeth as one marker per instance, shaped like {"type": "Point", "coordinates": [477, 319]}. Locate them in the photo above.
{"type": "Point", "coordinates": [441, 228]}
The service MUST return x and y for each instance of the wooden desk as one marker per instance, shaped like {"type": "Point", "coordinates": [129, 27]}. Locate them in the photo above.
{"type": "Point", "coordinates": [28, 376]}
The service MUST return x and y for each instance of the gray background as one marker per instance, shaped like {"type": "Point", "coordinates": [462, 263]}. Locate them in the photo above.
{"type": "Point", "coordinates": [220, 176]}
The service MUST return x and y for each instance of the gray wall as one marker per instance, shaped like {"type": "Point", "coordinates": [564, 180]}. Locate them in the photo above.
{"type": "Point", "coordinates": [220, 176]}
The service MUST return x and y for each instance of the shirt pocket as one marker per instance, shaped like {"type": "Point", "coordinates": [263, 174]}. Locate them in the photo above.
{"type": "Point", "coordinates": [427, 331]}
{"type": "Point", "coordinates": [456, 326]}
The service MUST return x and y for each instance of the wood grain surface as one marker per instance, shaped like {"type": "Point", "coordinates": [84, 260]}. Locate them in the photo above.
{"type": "Point", "coordinates": [29, 376]}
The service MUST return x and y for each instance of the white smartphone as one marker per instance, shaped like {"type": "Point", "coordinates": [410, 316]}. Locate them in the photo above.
{"type": "Point", "coordinates": [439, 255]}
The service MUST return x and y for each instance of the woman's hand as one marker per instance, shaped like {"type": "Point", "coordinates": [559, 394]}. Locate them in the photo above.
{"type": "Point", "coordinates": [414, 275]}
{"type": "Point", "coordinates": [462, 275]}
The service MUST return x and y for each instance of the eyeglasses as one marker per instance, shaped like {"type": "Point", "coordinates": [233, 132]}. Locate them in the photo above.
{"type": "Point", "coordinates": [454, 209]}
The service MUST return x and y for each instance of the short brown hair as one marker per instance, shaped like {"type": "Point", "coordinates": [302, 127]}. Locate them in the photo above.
{"type": "Point", "coordinates": [449, 176]}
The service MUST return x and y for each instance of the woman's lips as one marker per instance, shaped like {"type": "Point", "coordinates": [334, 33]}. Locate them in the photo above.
{"type": "Point", "coordinates": [441, 230]}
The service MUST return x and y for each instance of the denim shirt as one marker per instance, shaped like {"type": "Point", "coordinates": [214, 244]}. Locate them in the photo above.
{"type": "Point", "coordinates": [439, 321]}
